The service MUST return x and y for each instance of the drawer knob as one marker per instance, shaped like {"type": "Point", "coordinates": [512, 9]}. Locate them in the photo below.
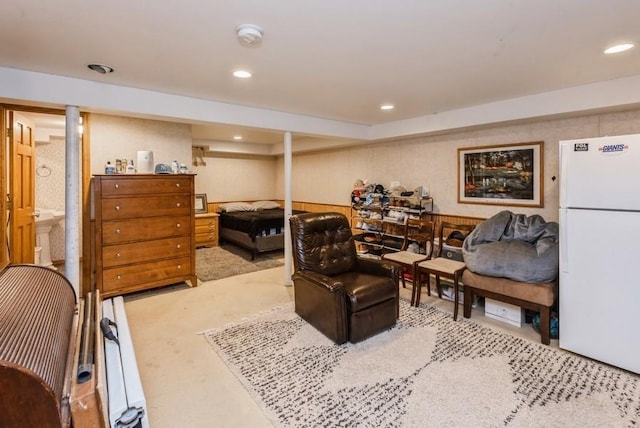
{"type": "Point", "coordinates": [178, 246]}
{"type": "Point", "coordinates": [117, 207]}
{"type": "Point", "coordinates": [177, 184]}
{"type": "Point", "coordinates": [117, 230]}
{"type": "Point", "coordinates": [118, 277]}
{"type": "Point", "coordinates": [117, 186]}
{"type": "Point", "coordinates": [117, 255]}
{"type": "Point", "coordinates": [178, 225]}
{"type": "Point", "coordinates": [179, 266]}
{"type": "Point", "coordinates": [178, 204]}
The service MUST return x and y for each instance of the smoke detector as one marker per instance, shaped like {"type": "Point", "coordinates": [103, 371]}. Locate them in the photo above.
{"type": "Point", "coordinates": [249, 34]}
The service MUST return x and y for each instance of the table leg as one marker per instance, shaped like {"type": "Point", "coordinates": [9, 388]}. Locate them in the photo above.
{"type": "Point", "coordinates": [456, 298]}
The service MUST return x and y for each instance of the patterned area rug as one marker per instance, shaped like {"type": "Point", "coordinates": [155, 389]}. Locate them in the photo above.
{"type": "Point", "coordinates": [230, 260]}
{"type": "Point", "coordinates": [426, 371]}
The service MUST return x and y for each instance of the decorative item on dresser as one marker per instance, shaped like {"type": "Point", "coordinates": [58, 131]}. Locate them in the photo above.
{"type": "Point", "coordinates": [206, 230]}
{"type": "Point", "coordinates": [144, 231]}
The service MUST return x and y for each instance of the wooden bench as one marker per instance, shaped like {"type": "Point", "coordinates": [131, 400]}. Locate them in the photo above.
{"type": "Point", "coordinates": [538, 297]}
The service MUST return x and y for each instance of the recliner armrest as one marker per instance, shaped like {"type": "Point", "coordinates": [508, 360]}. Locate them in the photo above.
{"type": "Point", "coordinates": [331, 284]}
{"type": "Point", "coordinates": [378, 268]}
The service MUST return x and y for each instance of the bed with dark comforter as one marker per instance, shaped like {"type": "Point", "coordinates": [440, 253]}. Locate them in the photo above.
{"type": "Point", "coordinates": [254, 223]}
{"type": "Point", "coordinates": [258, 230]}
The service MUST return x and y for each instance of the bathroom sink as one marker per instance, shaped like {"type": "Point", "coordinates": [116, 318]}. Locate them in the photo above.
{"type": "Point", "coordinates": [48, 216]}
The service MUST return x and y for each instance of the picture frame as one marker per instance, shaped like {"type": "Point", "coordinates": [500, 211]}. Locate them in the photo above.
{"type": "Point", "coordinates": [509, 174]}
{"type": "Point", "coordinates": [201, 203]}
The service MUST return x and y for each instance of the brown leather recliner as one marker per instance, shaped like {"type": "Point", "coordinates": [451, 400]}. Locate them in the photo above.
{"type": "Point", "coordinates": [345, 297]}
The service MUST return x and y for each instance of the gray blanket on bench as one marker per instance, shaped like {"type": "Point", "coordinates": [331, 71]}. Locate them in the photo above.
{"type": "Point", "coordinates": [514, 246]}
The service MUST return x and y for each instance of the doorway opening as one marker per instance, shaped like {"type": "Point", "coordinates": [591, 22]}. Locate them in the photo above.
{"type": "Point", "coordinates": [48, 174]}
{"type": "Point", "coordinates": [49, 130]}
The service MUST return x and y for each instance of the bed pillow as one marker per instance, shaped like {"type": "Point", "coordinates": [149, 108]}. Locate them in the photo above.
{"type": "Point", "coordinates": [231, 207]}
{"type": "Point", "coordinates": [265, 205]}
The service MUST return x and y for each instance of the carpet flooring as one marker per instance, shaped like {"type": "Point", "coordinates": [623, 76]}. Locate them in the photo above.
{"type": "Point", "coordinates": [230, 260]}
{"type": "Point", "coordinates": [426, 371]}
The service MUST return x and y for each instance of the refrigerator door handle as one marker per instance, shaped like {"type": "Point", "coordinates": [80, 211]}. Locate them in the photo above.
{"type": "Point", "coordinates": [564, 243]}
{"type": "Point", "coordinates": [563, 175]}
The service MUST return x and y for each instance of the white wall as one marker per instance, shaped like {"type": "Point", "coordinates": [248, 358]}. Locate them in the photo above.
{"type": "Point", "coordinates": [111, 137]}
{"type": "Point", "coordinates": [328, 177]}
{"type": "Point", "coordinates": [117, 137]}
{"type": "Point", "coordinates": [237, 179]}
{"type": "Point", "coordinates": [222, 179]}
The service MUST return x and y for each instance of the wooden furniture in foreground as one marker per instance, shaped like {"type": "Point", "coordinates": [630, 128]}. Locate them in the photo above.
{"type": "Point", "coordinates": [39, 326]}
{"type": "Point", "coordinates": [144, 231]}
{"type": "Point", "coordinates": [206, 230]}
{"type": "Point", "coordinates": [538, 297]}
{"type": "Point", "coordinates": [442, 267]}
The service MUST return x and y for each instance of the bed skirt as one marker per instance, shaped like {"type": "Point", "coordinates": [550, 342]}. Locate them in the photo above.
{"type": "Point", "coordinates": [260, 245]}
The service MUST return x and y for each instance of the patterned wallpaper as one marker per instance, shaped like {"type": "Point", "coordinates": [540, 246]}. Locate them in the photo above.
{"type": "Point", "coordinates": [50, 176]}
{"type": "Point", "coordinates": [431, 161]}
{"type": "Point", "coordinates": [111, 137]}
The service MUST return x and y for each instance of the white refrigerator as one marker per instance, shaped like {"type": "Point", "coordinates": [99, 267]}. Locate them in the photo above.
{"type": "Point", "coordinates": [599, 288]}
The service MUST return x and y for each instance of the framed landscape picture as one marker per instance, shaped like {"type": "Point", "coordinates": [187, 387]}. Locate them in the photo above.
{"type": "Point", "coordinates": [509, 174]}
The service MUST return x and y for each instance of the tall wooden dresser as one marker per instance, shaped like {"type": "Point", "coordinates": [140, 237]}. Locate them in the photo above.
{"type": "Point", "coordinates": [144, 231]}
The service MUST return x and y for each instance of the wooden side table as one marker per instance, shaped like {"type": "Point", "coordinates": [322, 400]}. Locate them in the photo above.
{"type": "Point", "coordinates": [206, 230]}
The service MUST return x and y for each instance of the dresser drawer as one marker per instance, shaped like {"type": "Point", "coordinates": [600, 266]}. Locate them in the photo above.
{"type": "Point", "coordinates": [146, 206]}
{"type": "Point", "coordinates": [145, 185]}
{"type": "Point", "coordinates": [136, 252]}
{"type": "Point", "coordinates": [119, 231]}
{"type": "Point", "coordinates": [119, 278]}
{"type": "Point", "coordinates": [205, 228]}
{"type": "Point", "coordinates": [206, 239]}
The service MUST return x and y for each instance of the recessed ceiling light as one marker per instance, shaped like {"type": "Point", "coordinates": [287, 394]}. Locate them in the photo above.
{"type": "Point", "coordinates": [618, 48]}
{"type": "Point", "coordinates": [100, 68]}
{"type": "Point", "coordinates": [237, 137]}
{"type": "Point", "coordinates": [387, 107]}
{"type": "Point", "coordinates": [242, 74]}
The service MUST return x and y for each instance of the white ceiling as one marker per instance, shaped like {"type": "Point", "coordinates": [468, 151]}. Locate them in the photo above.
{"type": "Point", "coordinates": [329, 59]}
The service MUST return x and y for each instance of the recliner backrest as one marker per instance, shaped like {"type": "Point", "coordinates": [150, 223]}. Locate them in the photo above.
{"type": "Point", "coordinates": [323, 243]}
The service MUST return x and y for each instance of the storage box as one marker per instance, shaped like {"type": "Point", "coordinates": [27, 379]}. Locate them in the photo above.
{"type": "Point", "coordinates": [447, 293]}
{"type": "Point", "coordinates": [505, 312]}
